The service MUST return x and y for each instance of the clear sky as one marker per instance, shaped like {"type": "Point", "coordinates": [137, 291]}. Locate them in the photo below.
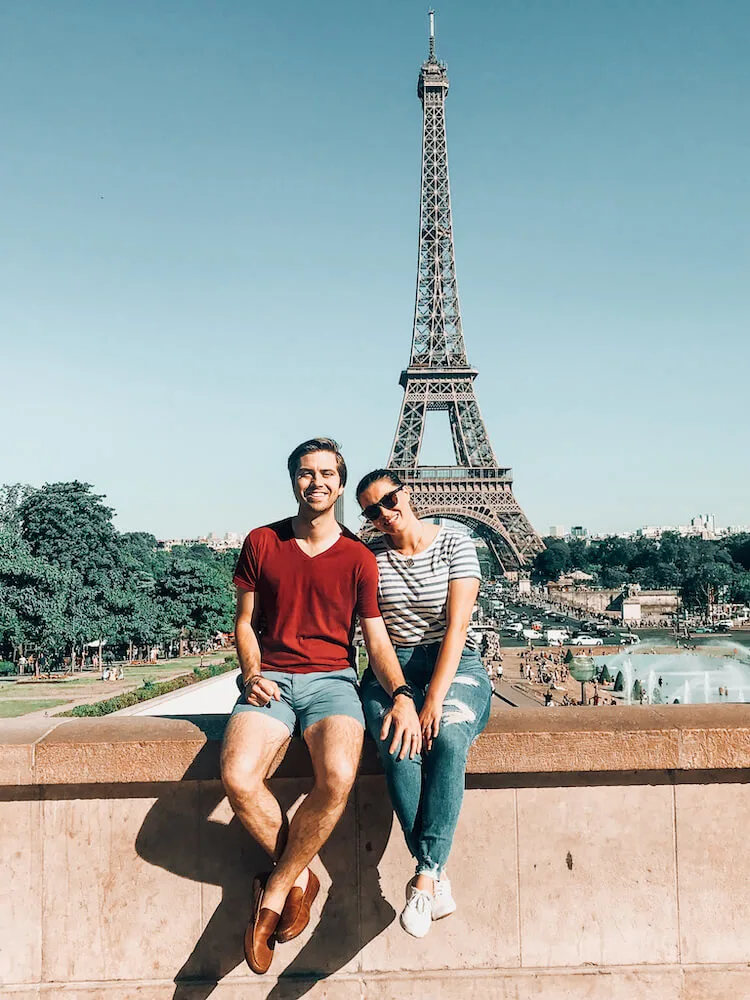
{"type": "Point", "coordinates": [208, 245]}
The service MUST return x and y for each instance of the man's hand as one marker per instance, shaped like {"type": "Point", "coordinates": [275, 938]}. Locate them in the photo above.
{"type": "Point", "coordinates": [429, 719]}
{"type": "Point", "coordinates": [407, 732]}
{"type": "Point", "coordinates": [259, 691]}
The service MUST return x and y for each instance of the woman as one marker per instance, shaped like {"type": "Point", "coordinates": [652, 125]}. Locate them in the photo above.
{"type": "Point", "coordinates": [429, 580]}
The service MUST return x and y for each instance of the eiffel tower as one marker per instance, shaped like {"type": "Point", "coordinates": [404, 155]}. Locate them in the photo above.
{"type": "Point", "coordinates": [476, 491]}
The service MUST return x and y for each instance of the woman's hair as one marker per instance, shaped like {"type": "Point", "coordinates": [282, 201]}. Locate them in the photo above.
{"type": "Point", "coordinates": [372, 477]}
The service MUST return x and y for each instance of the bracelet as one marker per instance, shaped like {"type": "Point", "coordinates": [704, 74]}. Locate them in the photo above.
{"type": "Point", "coordinates": [251, 681]}
{"type": "Point", "coordinates": [403, 689]}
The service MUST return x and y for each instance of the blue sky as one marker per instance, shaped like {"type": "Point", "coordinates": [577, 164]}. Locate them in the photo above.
{"type": "Point", "coordinates": [209, 224]}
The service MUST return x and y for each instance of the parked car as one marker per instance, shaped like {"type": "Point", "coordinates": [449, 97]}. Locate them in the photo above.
{"type": "Point", "coordinates": [725, 624]}
{"type": "Point", "coordinates": [586, 640]}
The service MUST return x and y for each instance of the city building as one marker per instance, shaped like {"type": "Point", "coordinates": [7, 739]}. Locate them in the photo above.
{"type": "Point", "coordinates": [231, 540]}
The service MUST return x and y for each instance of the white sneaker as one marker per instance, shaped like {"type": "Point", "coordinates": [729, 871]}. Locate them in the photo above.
{"type": "Point", "coordinates": [443, 904]}
{"type": "Point", "coordinates": [416, 916]}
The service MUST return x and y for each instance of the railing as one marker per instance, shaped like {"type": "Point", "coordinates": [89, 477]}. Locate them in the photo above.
{"type": "Point", "coordinates": [448, 472]}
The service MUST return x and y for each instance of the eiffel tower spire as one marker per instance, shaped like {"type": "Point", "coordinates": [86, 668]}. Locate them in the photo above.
{"type": "Point", "coordinates": [439, 377]}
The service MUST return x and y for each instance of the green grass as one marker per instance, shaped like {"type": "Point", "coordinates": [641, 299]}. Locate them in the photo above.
{"type": "Point", "coordinates": [41, 689]}
{"type": "Point", "coordinates": [13, 709]}
{"type": "Point", "coordinates": [362, 661]}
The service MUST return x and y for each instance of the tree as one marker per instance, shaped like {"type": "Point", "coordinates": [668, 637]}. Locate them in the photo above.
{"type": "Point", "coordinates": [553, 561]}
{"type": "Point", "coordinates": [69, 526]}
{"type": "Point", "coordinates": [195, 596]}
{"type": "Point", "coordinates": [701, 585]}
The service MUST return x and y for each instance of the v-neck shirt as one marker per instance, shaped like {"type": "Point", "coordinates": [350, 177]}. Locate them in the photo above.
{"type": "Point", "coordinates": [308, 604]}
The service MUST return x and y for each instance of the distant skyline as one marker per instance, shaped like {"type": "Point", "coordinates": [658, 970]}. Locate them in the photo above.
{"type": "Point", "coordinates": [209, 243]}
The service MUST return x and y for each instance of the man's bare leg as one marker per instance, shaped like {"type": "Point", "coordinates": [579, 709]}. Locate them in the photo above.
{"type": "Point", "coordinates": [250, 744]}
{"type": "Point", "coordinates": [335, 746]}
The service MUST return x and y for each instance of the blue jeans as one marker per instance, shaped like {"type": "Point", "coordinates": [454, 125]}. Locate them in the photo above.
{"type": "Point", "coordinates": [427, 792]}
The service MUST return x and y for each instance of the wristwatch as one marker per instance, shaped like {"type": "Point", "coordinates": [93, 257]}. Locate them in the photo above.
{"type": "Point", "coordinates": [403, 689]}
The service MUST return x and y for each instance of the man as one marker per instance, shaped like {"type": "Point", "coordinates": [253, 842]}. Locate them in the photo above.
{"type": "Point", "coordinates": [300, 583]}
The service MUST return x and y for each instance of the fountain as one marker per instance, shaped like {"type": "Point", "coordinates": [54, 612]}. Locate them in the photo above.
{"type": "Point", "coordinates": [627, 673]}
{"type": "Point", "coordinates": [686, 678]}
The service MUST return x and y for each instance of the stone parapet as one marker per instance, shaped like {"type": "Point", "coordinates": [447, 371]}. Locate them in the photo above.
{"type": "Point", "coordinates": [522, 741]}
{"type": "Point", "coordinates": [600, 855]}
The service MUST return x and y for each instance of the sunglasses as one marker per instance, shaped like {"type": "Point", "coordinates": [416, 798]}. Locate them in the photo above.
{"type": "Point", "coordinates": [373, 511]}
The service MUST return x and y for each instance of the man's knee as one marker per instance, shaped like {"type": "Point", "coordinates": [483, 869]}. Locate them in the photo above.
{"type": "Point", "coordinates": [240, 774]}
{"type": "Point", "coordinates": [336, 779]}
{"type": "Point", "coordinates": [335, 746]}
{"type": "Point", "coordinates": [244, 769]}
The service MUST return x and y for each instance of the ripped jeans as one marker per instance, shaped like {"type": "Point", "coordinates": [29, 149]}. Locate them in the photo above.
{"type": "Point", "coordinates": [427, 792]}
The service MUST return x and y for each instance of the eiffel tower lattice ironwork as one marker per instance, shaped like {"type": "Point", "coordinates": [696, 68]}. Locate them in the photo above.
{"type": "Point", "coordinates": [476, 490]}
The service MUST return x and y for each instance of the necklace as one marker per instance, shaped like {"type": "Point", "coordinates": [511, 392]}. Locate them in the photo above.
{"type": "Point", "coordinates": [410, 559]}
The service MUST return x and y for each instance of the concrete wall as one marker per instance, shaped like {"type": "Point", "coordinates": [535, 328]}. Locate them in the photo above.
{"type": "Point", "coordinates": [601, 854]}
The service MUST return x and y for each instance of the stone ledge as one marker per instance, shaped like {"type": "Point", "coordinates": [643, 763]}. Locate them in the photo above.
{"type": "Point", "coordinates": [516, 741]}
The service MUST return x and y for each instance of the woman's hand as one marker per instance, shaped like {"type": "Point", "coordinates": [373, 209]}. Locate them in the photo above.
{"type": "Point", "coordinates": [429, 719]}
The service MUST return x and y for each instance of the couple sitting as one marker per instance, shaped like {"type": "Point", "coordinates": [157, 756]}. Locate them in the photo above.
{"type": "Point", "coordinates": [301, 583]}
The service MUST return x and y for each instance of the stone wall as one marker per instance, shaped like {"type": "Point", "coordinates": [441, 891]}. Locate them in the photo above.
{"type": "Point", "coordinates": [600, 854]}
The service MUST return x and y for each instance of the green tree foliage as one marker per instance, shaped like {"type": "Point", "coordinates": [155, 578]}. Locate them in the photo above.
{"type": "Point", "coordinates": [553, 561]}
{"type": "Point", "coordinates": [68, 578]}
{"type": "Point", "coordinates": [703, 570]}
{"type": "Point", "coordinates": [69, 526]}
{"type": "Point", "coordinates": [619, 681]}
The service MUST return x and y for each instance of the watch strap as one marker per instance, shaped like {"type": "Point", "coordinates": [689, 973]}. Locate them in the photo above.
{"type": "Point", "coordinates": [403, 689]}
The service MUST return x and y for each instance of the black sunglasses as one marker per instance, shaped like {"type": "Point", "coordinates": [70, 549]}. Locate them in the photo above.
{"type": "Point", "coordinates": [373, 511]}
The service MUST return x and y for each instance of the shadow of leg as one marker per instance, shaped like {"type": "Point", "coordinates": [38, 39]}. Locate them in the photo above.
{"type": "Point", "coordinates": [226, 858]}
{"type": "Point", "coordinates": [355, 911]}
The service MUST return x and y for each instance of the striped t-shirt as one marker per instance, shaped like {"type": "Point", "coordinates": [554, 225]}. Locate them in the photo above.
{"type": "Point", "coordinates": [413, 590]}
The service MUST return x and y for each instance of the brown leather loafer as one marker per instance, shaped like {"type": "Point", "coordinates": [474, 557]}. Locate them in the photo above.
{"type": "Point", "coordinates": [296, 913]}
{"type": "Point", "coordinates": [259, 936]}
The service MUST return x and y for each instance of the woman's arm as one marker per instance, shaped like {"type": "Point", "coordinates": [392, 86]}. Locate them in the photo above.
{"type": "Point", "coordinates": [462, 596]}
{"type": "Point", "coordinates": [407, 732]}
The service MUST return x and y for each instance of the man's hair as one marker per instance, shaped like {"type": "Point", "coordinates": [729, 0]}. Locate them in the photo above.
{"type": "Point", "coordinates": [372, 477]}
{"type": "Point", "coordinates": [316, 444]}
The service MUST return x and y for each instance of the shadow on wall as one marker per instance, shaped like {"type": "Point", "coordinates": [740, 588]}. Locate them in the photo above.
{"type": "Point", "coordinates": [228, 858]}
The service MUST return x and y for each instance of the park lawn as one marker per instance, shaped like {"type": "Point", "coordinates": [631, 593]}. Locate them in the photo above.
{"type": "Point", "coordinates": [40, 689]}
{"type": "Point", "coordinates": [13, 709]}
{"type": "Point", "coordinates": [135, 675]}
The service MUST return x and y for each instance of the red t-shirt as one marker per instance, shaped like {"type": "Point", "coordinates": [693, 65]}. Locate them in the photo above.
{"type": "Point", "coordinates": [308, 604]}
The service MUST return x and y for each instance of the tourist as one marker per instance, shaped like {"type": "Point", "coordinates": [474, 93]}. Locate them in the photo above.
{"type": "Point", "coordinates": [429, 580]}
{"type": "Point", "coordinates": [306, 578]}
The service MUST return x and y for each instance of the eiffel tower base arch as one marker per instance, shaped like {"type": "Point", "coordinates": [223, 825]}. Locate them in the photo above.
{"type": "Point", "coordinates": [486, 505]}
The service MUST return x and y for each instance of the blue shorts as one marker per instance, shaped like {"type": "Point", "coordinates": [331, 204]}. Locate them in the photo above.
{"type": "Point", "coordinates": [308, 698]}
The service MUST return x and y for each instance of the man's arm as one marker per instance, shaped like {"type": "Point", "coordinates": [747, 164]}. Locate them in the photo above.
{"type": "Point", "coordinates": [407, 731]}
{"type": "Point", "coordinates": [258, 690]}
